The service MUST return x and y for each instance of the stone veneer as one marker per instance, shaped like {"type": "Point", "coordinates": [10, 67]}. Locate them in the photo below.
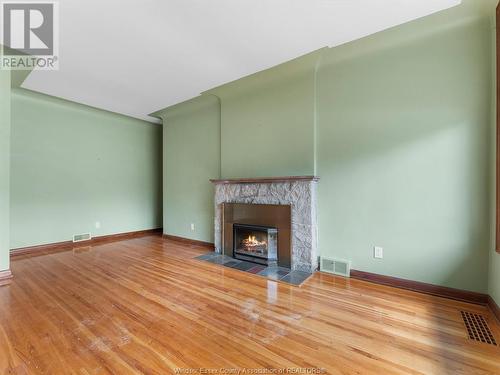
{"type": "Point", "coordinates": [299, 192]}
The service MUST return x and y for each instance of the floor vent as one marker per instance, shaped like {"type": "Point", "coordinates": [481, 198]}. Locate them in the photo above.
{"type": "Point", "coordinates": [335, 266]}
{"type": "Point", "coordinates": [477, 328]}
{"type": "Point", "coordinates": [81, 237]}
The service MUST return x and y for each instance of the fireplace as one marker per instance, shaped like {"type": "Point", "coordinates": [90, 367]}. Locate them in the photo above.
{"type": "Point", "coordinates": [287, 204]}
{"type": "Point", "coordinates": [255, 243]}
{"type": "Point", "coordinates": [258, 233]}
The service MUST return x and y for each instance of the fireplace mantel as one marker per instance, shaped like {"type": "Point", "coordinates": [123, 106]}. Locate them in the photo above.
{"type": "Point", "coordinates": [264, 180]}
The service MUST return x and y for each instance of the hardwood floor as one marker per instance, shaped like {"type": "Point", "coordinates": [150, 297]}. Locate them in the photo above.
{"type": "Point", "coordinates": [146, 306]}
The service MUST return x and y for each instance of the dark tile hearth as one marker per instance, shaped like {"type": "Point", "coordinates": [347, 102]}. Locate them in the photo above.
{"type": "Point", "coordinates": [296, 277]}
{"type": "Point", "coordinates": [219, 259]}
{"type": "Point", "coordinates": [242, 265]}
{"type": "Point", "coordinates": [272, 273]}
{"type": "Point", "coordinates": [207, 256]}
{"type": "Point", "coordinates": [256, 269]}
{"type": "Point", "coordinates": [232, 263]}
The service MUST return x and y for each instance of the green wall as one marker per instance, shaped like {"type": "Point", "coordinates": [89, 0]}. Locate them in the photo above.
{"type": "Point", "coordinates": [73, 166]}
{"type": "Point", "coordinates": [4, 167]}
{"type": "Point", "coordinates": [398, 127]}
{"type": "Point", "coordinates": [191, 157]}
{"type": "Point", "coordinates": [494, 271]}
{"type": "Point", "coordinates": [267, 121]}
{"type": "Point", "coordinates": [403, 151]}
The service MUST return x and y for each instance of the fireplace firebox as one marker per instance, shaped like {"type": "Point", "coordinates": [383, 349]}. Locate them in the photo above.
{"type": "Point", "coordinates": [255, 243]}
{"type": "Point", "coordinates": [269, 223]}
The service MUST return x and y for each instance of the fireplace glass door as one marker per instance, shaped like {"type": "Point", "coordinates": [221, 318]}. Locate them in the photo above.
{"type": "Point", "coordinates": [255, 243]}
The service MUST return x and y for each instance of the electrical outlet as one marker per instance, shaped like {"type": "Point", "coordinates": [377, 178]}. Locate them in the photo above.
{"type": "Point", "coordinates": [192, 227]}
{"type": "Point", "coordinates": [97, 224]}
{"type": "Point", "coordinates": [378, 252]}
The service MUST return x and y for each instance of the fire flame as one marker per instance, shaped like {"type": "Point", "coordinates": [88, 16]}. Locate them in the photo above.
{"type": "Point", "coordinates": [251, 241]}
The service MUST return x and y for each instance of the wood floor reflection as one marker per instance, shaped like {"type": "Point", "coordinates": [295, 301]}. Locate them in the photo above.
{"type": "Point", "coordinates": [146, 306]}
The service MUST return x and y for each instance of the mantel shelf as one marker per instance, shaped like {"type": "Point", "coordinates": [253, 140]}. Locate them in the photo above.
{"type": "Point", "coordinates": [264, 180]}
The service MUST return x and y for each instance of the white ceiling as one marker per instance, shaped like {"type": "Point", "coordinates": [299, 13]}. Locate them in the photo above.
{"type": "Point", "coordinates": [137, 56]}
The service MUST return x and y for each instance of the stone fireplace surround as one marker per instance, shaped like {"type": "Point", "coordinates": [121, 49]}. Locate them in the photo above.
{"type": "Point", "coordinates": [297, 191]}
